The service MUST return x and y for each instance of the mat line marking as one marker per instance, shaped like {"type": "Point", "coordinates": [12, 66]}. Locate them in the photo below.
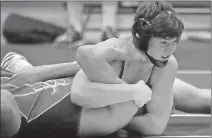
{"type": "Point", "coordinates": [204, 72]}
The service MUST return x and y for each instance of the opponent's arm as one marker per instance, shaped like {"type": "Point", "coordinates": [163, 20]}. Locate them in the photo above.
{"type": "Point", "coordinates": [48, 72]}
{"type": "Point", "coordinates": [93, 59]}
{"type": "Point", "coordinates": [94, 94]}
{"type": "Point", "coordinates": [159, 108]}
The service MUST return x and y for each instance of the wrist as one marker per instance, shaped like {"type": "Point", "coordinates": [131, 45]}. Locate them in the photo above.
{"type": "Point", "coordinates": [135, 98]}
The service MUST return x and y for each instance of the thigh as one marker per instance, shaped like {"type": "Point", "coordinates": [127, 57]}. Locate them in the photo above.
{"type": "Point", "coordinates": [189, 98]}
{"type": "Point", "coordinates": [183, 92]}
{"type": "Point", "coordinates": [105, 120]}
{"type": "Point", "coordinates": [10, 114]}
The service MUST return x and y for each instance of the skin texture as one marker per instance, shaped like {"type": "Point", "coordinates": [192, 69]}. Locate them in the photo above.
{"type": "Point", "coordinates": [10, 115]}
{"type": "Point", "coordinates": [160, 48]}
{"type": "Point", "coordinates": [162, 90]}
{"type": "Point", "coordinates": [112, 116]}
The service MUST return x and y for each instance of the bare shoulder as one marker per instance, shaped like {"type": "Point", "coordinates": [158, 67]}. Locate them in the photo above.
{"type": "Point", "coordinates": [165, 74]}
{"type": "Point", "coordinates": [172, 64]}
{"type": "Point", "coordinates": [170, 67]}
{"type": "Point", "coordinates": [109, 43]}
{"type": "Point", "coordinates": [107, 47]}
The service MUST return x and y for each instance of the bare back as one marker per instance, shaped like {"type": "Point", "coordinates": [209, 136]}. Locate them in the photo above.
{"type": "Point", "coordinates": [134, 69]}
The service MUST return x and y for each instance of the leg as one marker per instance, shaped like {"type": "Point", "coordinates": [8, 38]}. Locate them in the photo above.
{"type": "Point", "coordinates": [189, 98]}
{"type": "Point", "coordinates": [10, 115]}
{"type": "Point", "coordinates": [104, 121]}
{"type": "Point", "coordinates": [109, 10]}
{"type": "Point", "coordinates": [18, 64]}
{"type": "Point", "coordinates": [75, 12]}
{"type": "Point", "coordinates": [74, 34]}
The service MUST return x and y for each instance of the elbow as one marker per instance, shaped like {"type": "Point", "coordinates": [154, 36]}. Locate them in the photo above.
{"type": "Point", "coordinates": [156, 130]}
{"type": "Point", "coordinates": [83, 53]}
{"type": "Point", "coordinates": [80, 92]}
{"type": "Point", "coordinates": [83, 101]}
{"type": "Point", "coordinates": [156, 127]}
{"type": "Point", "coordinates": [76, 99]}
{"type": "Point", "coordinates": [152, 132]}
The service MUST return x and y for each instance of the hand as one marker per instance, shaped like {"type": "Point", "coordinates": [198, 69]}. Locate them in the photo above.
{"type": "Point", "coordinates": [143, 93]}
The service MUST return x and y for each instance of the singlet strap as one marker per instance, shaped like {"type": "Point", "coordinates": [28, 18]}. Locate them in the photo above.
{"type": "Point", "coordinates": [149, 79]}
{"type": "Point", "coordinates": [122, 69]}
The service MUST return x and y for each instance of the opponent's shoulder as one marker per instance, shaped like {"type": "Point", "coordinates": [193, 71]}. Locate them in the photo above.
{"type": "Point", "coordinates": [109, 43]}
{"type": "Point", "coordinates": [124, 40]}
{"type": "Point", "coordinates": [121, 41]}
{"type": "Point", "coordinates": [125, 36]}
{"type": "Point", "coordinates": [172, 64]}
{"type": "Point", "coordinates": [166, 73]}
{"type": "Point", "coordinates": [99, 49]}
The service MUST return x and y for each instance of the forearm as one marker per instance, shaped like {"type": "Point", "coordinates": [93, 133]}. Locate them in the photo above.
{"type": "Point", "coordinates": [94, 95]}
{"type": "Point", "coordinates": [48, 72]}
{"type": "Point", "coordinates": [96, 67]}
{"type": "Point", "coordinates": [107, 94]}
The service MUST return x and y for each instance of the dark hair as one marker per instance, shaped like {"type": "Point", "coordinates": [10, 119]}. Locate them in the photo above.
{"type": "Point", "coordinates": [155, 18]}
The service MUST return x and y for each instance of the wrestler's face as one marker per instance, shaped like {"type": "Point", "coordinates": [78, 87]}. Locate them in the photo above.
{"type": "Point", "coordinates": [161, 49]}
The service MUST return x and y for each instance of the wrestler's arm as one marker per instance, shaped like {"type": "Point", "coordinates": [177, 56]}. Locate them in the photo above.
{"type": "Point", "coordinates": [94, 94]}
{"type": "Point", "coordinates": [94, 61]}
{"type": "Point", "coordinates": [106, 120]}
{"type": "Point", "coordinates": [110, 118]}
{"type": "Point", "coordinates": [48, 72]}
{"type": "Point", "coordinates": [159, 108]}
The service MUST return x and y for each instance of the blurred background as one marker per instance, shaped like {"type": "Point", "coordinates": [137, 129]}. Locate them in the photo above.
{"type": "Point", "coordinates": [50, 32]}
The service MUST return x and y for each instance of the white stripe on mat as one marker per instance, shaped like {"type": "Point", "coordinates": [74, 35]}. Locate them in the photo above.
{"type": "Point", "coordinates": [206, 72]}
{"type": "Point", "coordinates": [189, 119]}
{"type": "Point", "coordinates": [190, 115]}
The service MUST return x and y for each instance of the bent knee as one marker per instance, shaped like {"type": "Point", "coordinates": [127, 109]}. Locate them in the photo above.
{"type": "Point", "coordinates": [10, 115]}
{"type": "Point", "coordinates": [6, 94]}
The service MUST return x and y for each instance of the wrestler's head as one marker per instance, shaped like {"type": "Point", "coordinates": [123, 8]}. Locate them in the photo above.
{"type": "Point", "coordinates": [156, 31]}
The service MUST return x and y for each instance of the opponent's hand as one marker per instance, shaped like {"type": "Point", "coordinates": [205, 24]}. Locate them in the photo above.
{"type": "Point", "coordinates": [142, 93]}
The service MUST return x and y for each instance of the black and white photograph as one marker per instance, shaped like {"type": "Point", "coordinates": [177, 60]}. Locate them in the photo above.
{"type": "Point", "coordinates": [102, 69]}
